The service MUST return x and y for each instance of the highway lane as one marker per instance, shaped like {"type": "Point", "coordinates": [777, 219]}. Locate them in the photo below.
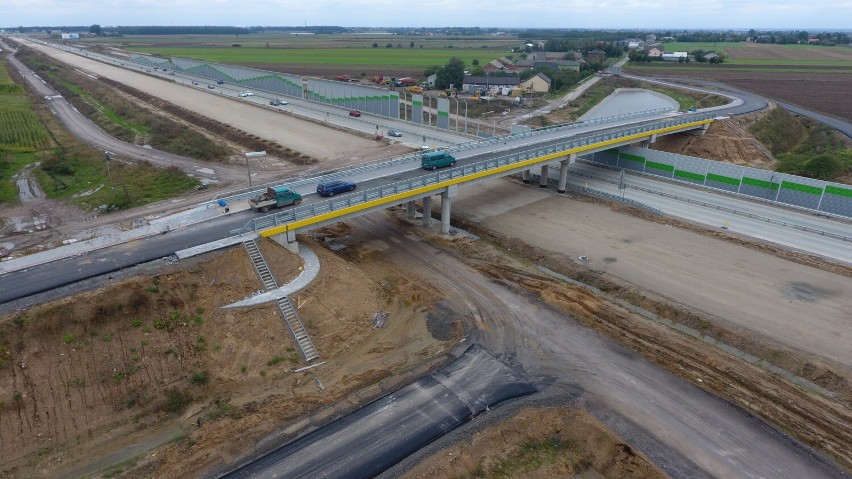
{"type": "Point", "coordinates": [688, 432]}
{"type": "Point", "coordinates": [414, 135]}
{"type": "Point", "coordinates": [790, 235]}
{"type": "Point", "coordinates": [84, 129]}
{"type": "Point", "coordinates": [377, 436]}
{"type": "Point", "coordinates": [48, 276]}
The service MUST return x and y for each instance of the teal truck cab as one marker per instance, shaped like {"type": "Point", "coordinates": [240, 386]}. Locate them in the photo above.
{"type": "Point", "coordinates": [275, 197]}
{"type": "Point", "coordinates": [436, 159]}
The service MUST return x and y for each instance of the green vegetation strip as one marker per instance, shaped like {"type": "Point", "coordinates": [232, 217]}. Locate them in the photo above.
{"type": "Point", "coordinates": [629, 157]}
{"type": "Point", "coordinates": [759, 183]}
{"type": "Point", "coordinates": [689, 175]}
{"type": "Point", "coordinates": [723, 179]}
{"type": "Point", "coordinates": [344, 57]}
{"type": "Point", "coordinates": [838, 191]}
{"type": "Point", "coordinates": [659, 166]}
{"type": "Point", "coordinates": [813, 190]}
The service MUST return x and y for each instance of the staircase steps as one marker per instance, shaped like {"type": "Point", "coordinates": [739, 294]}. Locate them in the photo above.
{"type": "Point", "coordinates": [260, 265]}
{"type": "Point", "coordinates": [297, 329]}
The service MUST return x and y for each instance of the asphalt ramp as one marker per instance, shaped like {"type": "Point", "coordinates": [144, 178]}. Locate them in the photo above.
{"type": "Point", "coordinates": [377, 436]}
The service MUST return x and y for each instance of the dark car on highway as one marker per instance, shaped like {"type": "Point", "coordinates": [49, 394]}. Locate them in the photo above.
{"type": "Point", "coordinates": [333, 187]}
{"type": "Point", "coordinates": [354, 113]}
{"type": "Point", "coordinates": [220, 82]}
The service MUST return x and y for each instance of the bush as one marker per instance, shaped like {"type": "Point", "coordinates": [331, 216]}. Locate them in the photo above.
{"type": "Point", "coordinates": [199, 377]}
{"type": "Point", "coordinates": [176, 401]}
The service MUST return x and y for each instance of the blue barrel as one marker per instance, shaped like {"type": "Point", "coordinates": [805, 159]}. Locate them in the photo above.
{"type": "Point", "coordinates": [223, 203]}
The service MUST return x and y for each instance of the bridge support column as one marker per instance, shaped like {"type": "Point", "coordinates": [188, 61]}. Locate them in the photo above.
{"type": "Point", "coordinates": [411, 209]}
{"type": "Point", "coordinates": [287, 239]}
{"type": "Point", "coordinates": [543, 180]}
{"type": "Point", "coordinates": [427, 210]}
{"type": "Point", "coordinates": [446, 200]}
{"type": "Point", "coordinates": [445, 213]}
{"type": "Point", "coordinates": [563, 171]}
{"type": "Point", "coordinates": [647, 143]}
{"type": "Point", "coordinates": [525, 176]}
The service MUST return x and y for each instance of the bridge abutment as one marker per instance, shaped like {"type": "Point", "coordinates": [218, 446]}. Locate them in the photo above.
{"type": "Point", "coordinates": [287, 239]}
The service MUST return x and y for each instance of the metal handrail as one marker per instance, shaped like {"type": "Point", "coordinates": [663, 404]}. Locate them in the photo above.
{"type": "Point", "coordinates": [402, 186]}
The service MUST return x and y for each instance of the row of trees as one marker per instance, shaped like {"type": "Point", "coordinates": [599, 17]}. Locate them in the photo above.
{"type": "Point", "coordinates": [452, 74]}
{"type": "Point", "coordinates": [759, 36]}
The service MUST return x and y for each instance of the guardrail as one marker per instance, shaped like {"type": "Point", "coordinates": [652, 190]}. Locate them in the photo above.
{"type": "Point", "coordinates": [530, 155]}
{"type": "Point", "coordinates": [721, 208]}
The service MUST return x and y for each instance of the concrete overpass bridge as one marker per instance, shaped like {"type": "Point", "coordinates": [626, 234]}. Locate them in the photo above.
{"type": "Point", "coordinates": [404, 182]}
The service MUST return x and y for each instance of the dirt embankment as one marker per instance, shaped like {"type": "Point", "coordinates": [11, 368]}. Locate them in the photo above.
{"type": "Point", "coordinates": [724, 141]}
{"type": "Point", "coordinates": [818, 421]}
{"type": "Point", "coordinates": [540, 443]}
{"type": "Point", "coordinates": [94, 373]}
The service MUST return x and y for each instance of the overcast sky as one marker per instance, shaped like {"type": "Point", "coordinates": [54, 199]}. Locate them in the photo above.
{"type": "Point", "coordinates": [624, 14]}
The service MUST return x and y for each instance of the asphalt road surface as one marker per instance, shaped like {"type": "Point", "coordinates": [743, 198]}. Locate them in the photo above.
{"type": "Point", "coordinates": [377, 436]}
{"type": "Point", "coordinates": [686, 431]}
{"type": "Point", "coordinates": [84, 129]}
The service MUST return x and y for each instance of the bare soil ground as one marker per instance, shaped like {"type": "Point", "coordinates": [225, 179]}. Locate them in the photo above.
{"type": "Point", "coordinates": [540, 443]}
{"type": "Point", "coordinates": [825, 92]}
{"type": "Point", "coordinates": [725, 140]}
{"type": "Point", "coordinates": [94, 373]}
{"type": "Point", "coordinates": [154, 356]}
{"type": "Point", "coordinates": [85, 379]}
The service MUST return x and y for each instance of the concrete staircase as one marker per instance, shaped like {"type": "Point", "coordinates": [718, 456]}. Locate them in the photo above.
{"type": "Point", "coordinates": [291, 317]}
{"type": "Point", "coordinates": [260, 265]}
{"type": "Point", "coordinates": [297, 329]}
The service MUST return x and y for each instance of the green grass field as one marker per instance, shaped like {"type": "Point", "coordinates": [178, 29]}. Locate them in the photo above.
{"type": "Point", "coordinates": [20, 128]}
{"type": "Point", "coordinates": [283, 40]}
{"type": "Point", "coordinates": [385, 57]}
{"type": "Point", "coordinates": [741, 53]}
{"type": "Point", "coordinates": [699, 67]}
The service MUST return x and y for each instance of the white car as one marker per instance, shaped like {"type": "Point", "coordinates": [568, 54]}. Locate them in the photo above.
{"type": "Point", "coordinates": [246, 93]}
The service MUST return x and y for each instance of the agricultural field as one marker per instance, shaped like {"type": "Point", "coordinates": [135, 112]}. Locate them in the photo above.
{"type": "Point", "coordinates": [814, 77]}
{"type": "Point", "coordinates": [742, 53]}
{"type": "Point", "coordinates": [22, 135]}
{"type": "Point", "coordinates": [323, 55]}
{"type": "Point", "coordinates": [20, 128]}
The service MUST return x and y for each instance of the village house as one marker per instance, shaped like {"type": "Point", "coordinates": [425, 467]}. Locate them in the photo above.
{"type": "Point", "coordinates": [471, 83]}
{"type": "Point", "coordinates": [538, 83]}
{"type": "Point", "coordinates": [595, 56]}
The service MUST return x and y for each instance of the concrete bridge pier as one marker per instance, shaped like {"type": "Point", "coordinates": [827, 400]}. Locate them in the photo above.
{"type": "Point", "coordinates": [543, 180]}
{"type": "Point", "coordinates": [525, 176]}
{"type": "Point", "coordinates": [427, 210]}
{"type": "Point", "coordinates": [446, 200]}
{"type": "Point", "coordinates": [647, 143]}
{"type": "Point", "coordinates": [563, 172]}
{"type": "Point", "coordinates": [411, 209]}
{"type": "Point", "coordinates": [287, 239]}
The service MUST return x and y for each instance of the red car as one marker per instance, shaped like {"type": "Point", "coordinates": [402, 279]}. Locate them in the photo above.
{"type": "Point", "coordinates": [355, 113]}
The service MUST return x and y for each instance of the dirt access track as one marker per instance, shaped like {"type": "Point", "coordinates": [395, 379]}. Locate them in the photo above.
{"type": "Point", "coordinates": [309, 138]}
{"type": "Point", "coordinates": [495, 298]}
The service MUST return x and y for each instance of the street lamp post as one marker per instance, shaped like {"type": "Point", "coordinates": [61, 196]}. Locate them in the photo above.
{"type": "Point", "coordinates": [252, 154]}
{"type": "Point", "coordinates": [405, 105]}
